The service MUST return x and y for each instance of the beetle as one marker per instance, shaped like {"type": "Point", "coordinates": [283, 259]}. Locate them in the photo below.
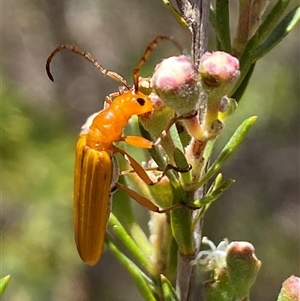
{"type": "Point", "coordinates": [96, 173]}
{"type": "Point", "coordinates": [96, 168]}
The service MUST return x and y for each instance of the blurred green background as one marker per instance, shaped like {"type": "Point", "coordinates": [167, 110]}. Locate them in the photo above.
{"type": "Point", "coordinates": [40, 123]}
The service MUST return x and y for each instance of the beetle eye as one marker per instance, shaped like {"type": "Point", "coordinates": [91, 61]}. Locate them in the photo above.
{"type": "Point", "coordinates": [141, 101]}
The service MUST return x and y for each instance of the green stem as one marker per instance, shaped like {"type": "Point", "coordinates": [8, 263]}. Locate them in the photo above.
{"type": "Point", "coordinates": [122, 235]}
{"type": "Point", "coordinates": [143, 282]}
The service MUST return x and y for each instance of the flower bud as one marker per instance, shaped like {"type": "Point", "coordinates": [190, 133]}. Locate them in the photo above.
{"type": "Point", "coordinates": [219, 72]}
{"type": "Point", "coordinates": [218, 67]}
{"type": "Point", "coordinates": [290, 290]}
{"type": "Point", "coordinates": [157, 121]}
{"type": "Point", "coordinates": [227, 107]}
{"type": "Point", "coordinates": [242, 267]}
{"type": "Point", "coordinates": [176, 82]}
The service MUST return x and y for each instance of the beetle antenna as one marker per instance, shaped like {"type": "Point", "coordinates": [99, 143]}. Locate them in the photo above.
{"type": "Point", "coordinates": [111, 74]}
{"type": "Point", "coordinates": [147, 53]}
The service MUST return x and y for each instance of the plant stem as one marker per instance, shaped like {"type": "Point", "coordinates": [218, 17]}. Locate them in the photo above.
{"type": "Point", "coordinates": [198, 18]}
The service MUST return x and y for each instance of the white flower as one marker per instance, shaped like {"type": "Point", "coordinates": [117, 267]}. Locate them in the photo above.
{"type": "Point", "coordinates": [213, 259]}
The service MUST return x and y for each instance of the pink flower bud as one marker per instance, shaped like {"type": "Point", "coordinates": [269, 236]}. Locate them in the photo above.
{"type": "Point", "coordinates": [176, 82]}
{"type": "Point", "coordinates": [218, 67]}
{"type": "Point", "coordinates": [290, 290]}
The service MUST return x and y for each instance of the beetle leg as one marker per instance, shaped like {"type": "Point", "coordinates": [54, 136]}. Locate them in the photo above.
{"type": "Point", "coordinates": [138, 141]}
{"type": "Point", "coordinates": [172, 167]}
{"type": "Point", "coordinates": [146, 202]}
{"type": "Point", "coordinates": [141, 171]}
{"type": "Point", "coordinates": [130, 171]}
{"type": "Point", "coordinates": [171, 122]}
{"type": "Point", "coordinates": [136, 166]}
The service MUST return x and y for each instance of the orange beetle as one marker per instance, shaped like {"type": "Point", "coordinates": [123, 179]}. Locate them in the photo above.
{"type": "Point", "coordinates": [96, 169]}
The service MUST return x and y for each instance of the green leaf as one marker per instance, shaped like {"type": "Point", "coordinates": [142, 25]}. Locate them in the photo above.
{"type": "Point", "coordinates": [222, 25]}
{"type": "Point", "coordinates": [175, 138]}
{"type": "Point", "coordinates": [143, 282]}
{"type": "Point", "coordinates": [168, 290]}
{"type": "Point", "coordinates": [158, 157]}
{"type": "Point", "coordinates": [181, 162]}
{"type": "Point", "coordinates": [270, 21]}
{"type": "Point", "coordinates": [233, 143]}
{"type": "Point", "coordinates": [250, 54]}
{"type": "Point", "coordinates": [139, 251]}
{"type": "Point", "coordinates": [123, 208]}
{"type": "Point", "coordinates": [3, 283]}
{"type": "Point", "coordinates": [216, 183]}
{"type": "Point", "coordinates": [176, 14]}
{"type": "Point", "coordinates": [212, 17]}
{"type": "Point", "coordinates": [208, 150]}
{"type": "Point", "coordinates": [123, 211]}
{"type": "Point", "coordinates": [280, 31]}
{"type": "Point", "coordinates": [181, 224]}
{"type": "Point", "coordinates": [215, 194]}
{"type": "Point", "coordinates": [180, 159]}
{"type": "Point", "coordinates": [171, 267]}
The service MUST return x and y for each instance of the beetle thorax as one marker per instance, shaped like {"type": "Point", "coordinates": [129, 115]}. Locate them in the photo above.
{"type": "Point", "coordinates": [107, 127]}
